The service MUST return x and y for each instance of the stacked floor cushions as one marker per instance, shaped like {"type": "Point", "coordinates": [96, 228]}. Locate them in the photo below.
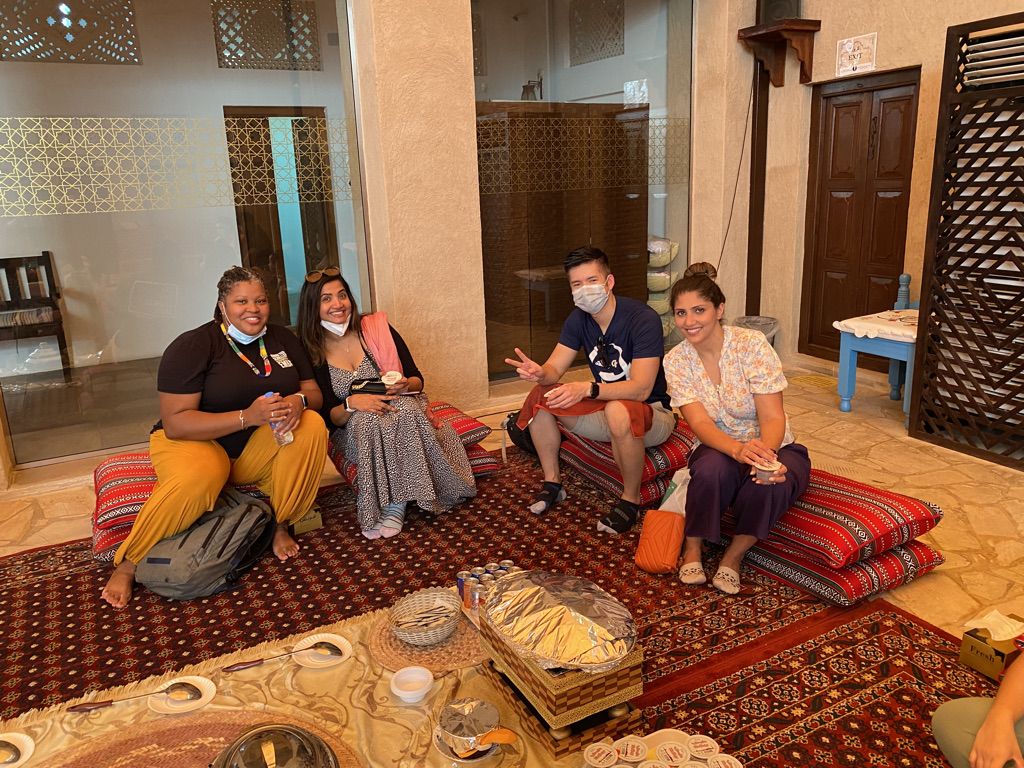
{"type": "Point", "coordinates": [842, 540]}
{"type": "Point", "coordinates": [124, 482]}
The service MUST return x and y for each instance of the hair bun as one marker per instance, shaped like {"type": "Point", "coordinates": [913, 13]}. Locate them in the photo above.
{"type": "Point", "coordinates": [701, 268]}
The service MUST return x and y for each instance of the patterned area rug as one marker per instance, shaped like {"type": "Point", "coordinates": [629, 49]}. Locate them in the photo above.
{"type": "Point", "coordinates": [59, 640]}
{"type": "Point", "coordinates": [859, 694]}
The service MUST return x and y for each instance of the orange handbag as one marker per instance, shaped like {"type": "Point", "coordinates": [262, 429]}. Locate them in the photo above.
{"type": "Point", "coordinates": [661, 541]}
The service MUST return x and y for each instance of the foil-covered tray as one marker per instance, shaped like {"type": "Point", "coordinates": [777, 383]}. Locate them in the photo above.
{"type": "Point", "coordinates": [560, 621]}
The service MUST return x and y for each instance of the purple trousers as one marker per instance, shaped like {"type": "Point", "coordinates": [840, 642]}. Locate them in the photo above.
{"type": "Point", "coordinates": [718, 482]}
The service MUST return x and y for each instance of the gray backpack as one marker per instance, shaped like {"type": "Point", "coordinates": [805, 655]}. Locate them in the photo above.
{"type": "Point", "coordinates": [211, 554]}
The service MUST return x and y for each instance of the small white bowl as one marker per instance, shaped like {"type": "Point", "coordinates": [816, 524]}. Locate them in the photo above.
{"type": "Point", "coordinates": [411, 684]}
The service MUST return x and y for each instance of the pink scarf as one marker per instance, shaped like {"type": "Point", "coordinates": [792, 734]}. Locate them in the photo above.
{"type": "Point", "coordinates": [377, 335]}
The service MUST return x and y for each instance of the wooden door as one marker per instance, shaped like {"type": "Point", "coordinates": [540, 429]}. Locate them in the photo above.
{"type": "Point", "coordinates": [862, 149]}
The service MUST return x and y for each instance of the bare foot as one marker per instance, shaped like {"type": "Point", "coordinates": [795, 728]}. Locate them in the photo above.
{"type": "Point", "coordinates": [118, 590]}
{"type": "Point", "coordinates": [284, 545]}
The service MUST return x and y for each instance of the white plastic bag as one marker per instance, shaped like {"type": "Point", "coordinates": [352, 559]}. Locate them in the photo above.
{"type": "Point", "coordinates": [674, 499]}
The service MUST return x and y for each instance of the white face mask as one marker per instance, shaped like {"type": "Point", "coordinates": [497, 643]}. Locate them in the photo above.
{"type": "Point", "coordinates": [591, 298]}
{"type": "Point", "coordinates": [335, 328]}
{"type": "Point", "coordinates": [243, 338]}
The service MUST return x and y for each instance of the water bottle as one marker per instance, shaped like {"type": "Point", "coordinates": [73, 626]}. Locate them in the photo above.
{"type": "Point", "coordinates": [284, 439]}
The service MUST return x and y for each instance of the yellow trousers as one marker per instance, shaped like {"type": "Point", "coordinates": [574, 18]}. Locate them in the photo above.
{"type": "Point", "coordinates": [191, 473]}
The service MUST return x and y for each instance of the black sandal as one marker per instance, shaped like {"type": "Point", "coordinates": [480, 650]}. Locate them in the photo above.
{"type": "Point", "coordinates": [550, 495]}
{"type": "Point", "coordinates": [620, 519]}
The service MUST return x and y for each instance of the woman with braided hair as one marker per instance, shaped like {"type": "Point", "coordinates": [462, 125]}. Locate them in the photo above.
{"type": "Point", "coordinates": [221, 386]}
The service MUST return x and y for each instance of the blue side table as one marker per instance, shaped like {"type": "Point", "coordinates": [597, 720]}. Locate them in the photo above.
{"type": "Point", "coordinates": [891, 334]}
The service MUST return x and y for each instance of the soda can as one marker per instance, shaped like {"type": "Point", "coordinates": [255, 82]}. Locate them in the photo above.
{"type": "Point", "coordinates": [476, 596]}
{"type": "Point", "coordinates": [460, 580]}
{"type": "Point", "coordinates": [488, 579]}
{"type": "Point", "coordinates": [492, 568]}
{"type": "Point", "coordinates": [506, 564]}
{"type": "Point", "coordinates": [467, 587]}
{"type": "Point", "coordinates": [478, 571]}
{"type": "Point", "coordinates": [515, 569]}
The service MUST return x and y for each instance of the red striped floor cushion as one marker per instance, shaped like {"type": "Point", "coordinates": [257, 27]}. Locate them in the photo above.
{"type": "Point", "coordinates": [123, 483]}
{"type": "Point", "coordinates": [469, 430]}
{"type": "Point", "coordinates": [595, 461]}
{"type": "Point", "coordinates": [849, 585]}
{"type": "Point", "coordinates": [838, 521]}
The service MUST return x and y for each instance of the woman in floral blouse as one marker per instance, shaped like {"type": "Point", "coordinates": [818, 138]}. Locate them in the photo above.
{"type": "Point", "coordinates": [727, 383]}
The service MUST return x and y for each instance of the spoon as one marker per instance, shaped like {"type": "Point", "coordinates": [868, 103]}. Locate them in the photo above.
{"type": "Point", "coordinates": [323, 647]}
{"type": "Point", "coordinates": [177, 691]}
{"type": "Point", "coordinates": [9, 753]}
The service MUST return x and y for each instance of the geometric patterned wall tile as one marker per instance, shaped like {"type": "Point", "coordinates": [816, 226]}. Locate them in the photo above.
{"type": "Point", "coordinates": [545, 154]}
{"type": "Point", "coordinates": [98, 32]}
{"type": "Point", "coordinates": [266, 34]}
{"type": "Point", "coordinates": [597, 30]}
{"type": "Point", "coordinates": [68, 165]}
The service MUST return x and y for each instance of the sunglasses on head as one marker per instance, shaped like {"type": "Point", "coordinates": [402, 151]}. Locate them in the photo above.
{"type": "Point", "coordinates": [316, 274]}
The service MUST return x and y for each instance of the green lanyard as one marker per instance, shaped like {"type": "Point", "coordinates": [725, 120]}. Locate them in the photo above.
{"type": "Point", "coordinates": [263, 354]}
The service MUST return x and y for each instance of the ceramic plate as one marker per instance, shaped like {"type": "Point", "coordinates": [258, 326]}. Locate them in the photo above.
{"type": "Point", "coordinates": [164, 705]}
{"type": "Point", "coordinates": [315, 659]}
{"type": "Point", "coordinates": [23, 743]}
{"type": "Point", "coordinates": [443, 748]}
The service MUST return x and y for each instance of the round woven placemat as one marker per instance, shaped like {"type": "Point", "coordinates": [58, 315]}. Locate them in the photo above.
{"type": "Point", "coordinates": [461, 650]}
{"type": "Point", "coordinates": [183, 741]}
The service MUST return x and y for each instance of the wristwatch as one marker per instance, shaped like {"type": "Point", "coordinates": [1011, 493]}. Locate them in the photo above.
{"type": "Point", "coordinates": [350, 410]}
{"type": "Point", "coordinates": [595, 390]}
{"type": "Point", "coordinates": [305, 402]}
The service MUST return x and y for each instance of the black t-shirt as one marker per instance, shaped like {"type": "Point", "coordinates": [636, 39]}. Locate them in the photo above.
{"type": "Point", "coordinates": [201, 360]}
{"type": "Point", "coordinates": [634, 332]}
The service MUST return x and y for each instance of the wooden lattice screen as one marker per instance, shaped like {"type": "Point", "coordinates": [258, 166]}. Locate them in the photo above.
{"type": "Point", "coordinates": [970, 347]}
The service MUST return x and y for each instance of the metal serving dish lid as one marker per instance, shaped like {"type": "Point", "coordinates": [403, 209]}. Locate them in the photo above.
{"type": "Point", "coordinates": [277, 745]}
{"type": "Point", "coordinates": [560, 621]}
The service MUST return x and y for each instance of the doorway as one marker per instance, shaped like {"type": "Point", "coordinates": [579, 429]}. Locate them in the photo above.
{"type": "Point", "coordinates": [861, 155]}
{"type": "Point", "coordinates": [281, 174]}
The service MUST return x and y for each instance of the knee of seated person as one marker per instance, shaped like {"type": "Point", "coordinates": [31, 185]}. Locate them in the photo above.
{"type": "Point", "coordinates": [619, 424]}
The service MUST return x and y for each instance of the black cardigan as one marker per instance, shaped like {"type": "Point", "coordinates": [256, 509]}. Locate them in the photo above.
{"type": "Point", "coordinates": [331, 400]}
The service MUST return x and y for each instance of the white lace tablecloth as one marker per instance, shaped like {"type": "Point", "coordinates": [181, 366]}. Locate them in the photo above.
{"type": "Point", "coordinates": [893, 324]}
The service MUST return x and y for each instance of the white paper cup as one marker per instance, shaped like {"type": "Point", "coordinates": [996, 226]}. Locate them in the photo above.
{"type": "Point", "coordinates": [765, 472]}
{"type": "Point", "coordinates": [391, 377]}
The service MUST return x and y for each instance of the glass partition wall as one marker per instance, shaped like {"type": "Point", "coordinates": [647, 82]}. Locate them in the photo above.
{"type": "Point", "coordinates": [145, 147]}
{"type": "Point", "coordinates": [583, 137]}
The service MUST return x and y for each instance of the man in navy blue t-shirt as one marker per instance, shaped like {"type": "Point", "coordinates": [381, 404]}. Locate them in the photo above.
{"type": "Point", "coordinates": [623, 342]}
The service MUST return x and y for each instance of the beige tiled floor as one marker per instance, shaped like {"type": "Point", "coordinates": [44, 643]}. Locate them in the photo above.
{"type": "Point", "coordinates": [982, 534]}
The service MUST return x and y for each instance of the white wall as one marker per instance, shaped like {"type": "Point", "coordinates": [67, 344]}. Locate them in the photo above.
{"type": "Point", "coordinates": [102, 256]}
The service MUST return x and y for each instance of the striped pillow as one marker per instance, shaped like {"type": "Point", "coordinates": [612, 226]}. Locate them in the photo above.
{"type": "Point", "coordinates": [123, 484]}
{"type": "Point", "coordinates": [849, 585]}
{"type": "Point", "coordinates": [838, 521]}
{"type": "Point", "coordinates": [594, 460]}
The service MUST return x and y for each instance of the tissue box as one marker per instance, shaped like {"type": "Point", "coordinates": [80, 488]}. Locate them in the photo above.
{"type": "Point", "coordinates": [979, 651]}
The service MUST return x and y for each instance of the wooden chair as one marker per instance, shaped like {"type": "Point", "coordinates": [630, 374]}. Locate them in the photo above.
{"type": "Point", "coordinates": [29, 302]}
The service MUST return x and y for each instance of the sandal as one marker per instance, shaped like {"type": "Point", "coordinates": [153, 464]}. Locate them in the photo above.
{"type": "Point", "coordinates": [693, 574]}
{"type": "Point", "coordinates": [550, 495]}
{"type": "Point", "coordinates": [620, 519]}
{"type": "Point", "coordinates": [727, 580]}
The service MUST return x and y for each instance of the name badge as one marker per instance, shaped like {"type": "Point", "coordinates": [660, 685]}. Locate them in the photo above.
{"type": "Point", "coordinates": [281, 358]}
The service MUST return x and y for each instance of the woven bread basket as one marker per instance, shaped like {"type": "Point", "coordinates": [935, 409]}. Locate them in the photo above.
{"type": "Point", "coordinates": [418, 602]}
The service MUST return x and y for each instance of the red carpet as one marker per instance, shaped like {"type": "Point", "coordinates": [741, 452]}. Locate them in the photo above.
{"type": "Point", "coordinates": [59, 639]}
{"type": "Point", "coordinates": [860, 694]}
{"type": "Point", "coordinates": [715, 660]}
